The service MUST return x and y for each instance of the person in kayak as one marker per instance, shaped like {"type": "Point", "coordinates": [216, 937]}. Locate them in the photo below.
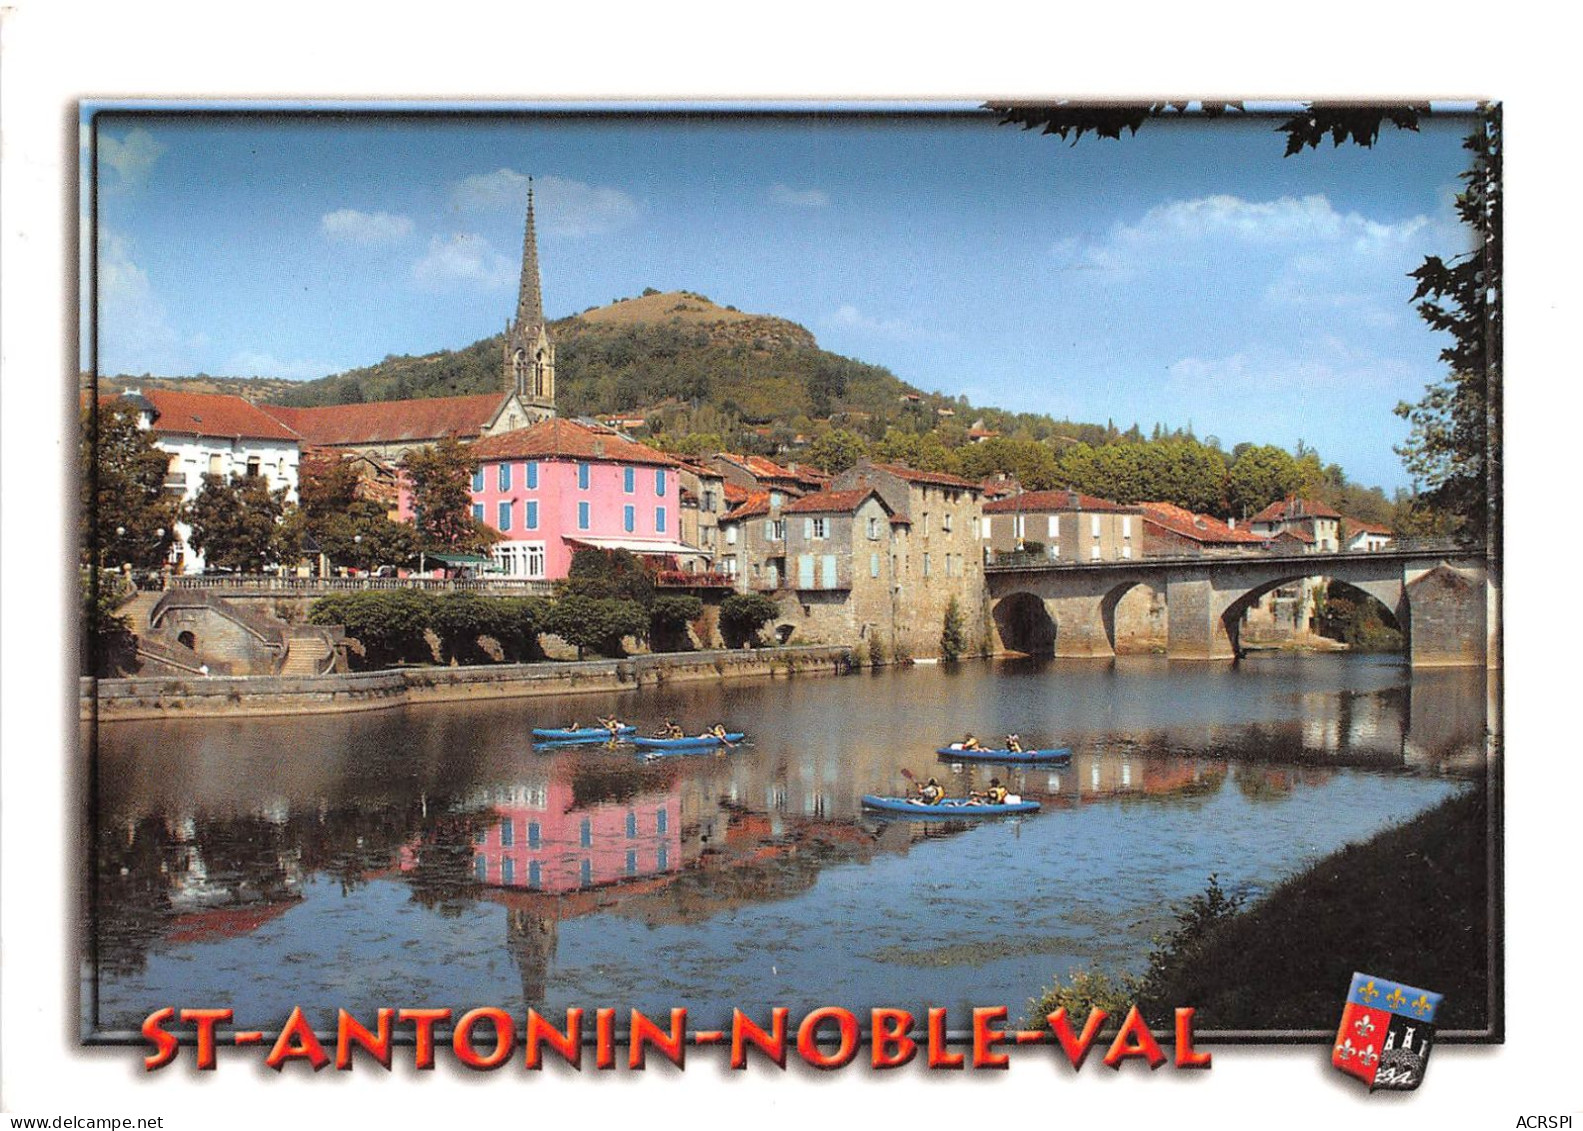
{"type": "Point", "coordinates": [613, 724]}
{"type": "Point", "coordinates": [931, 793]}
{"type": "Point", "coordinates": [716, 731]}
{"type": "Point", "coordinates": [1014, 743]}
{"type": "Point", "coordinates": [672, 730]}
{"type": "Point", "coordinates": [994, 795]}
{"type": "Point", "coordinates": [969, 743]}
{"type": "Point", "coordinates": [574, 725]}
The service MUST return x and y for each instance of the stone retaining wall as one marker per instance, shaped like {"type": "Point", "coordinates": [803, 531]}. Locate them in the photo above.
{"type": "Point", "coordinates": [197, 697]}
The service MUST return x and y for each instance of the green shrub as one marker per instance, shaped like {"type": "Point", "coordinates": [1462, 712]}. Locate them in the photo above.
{"type": "Point", "coordinates": [953, 637]}
{"type": "Point", "coordinates": [743, 614]}
{"type": "Point", "coordinates": [669, 617]}
{"type": "Point", "coordinates": [1083, 992]}
{"type": "Point", "coordinates": [597, 623]}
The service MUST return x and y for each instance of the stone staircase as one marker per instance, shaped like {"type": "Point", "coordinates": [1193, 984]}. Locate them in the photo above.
{"type": "Point", "coordinates": [308, 651]}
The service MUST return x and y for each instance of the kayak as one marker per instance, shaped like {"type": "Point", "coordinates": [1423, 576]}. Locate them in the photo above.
{"type": "Point", "coordinates": [695, 742]}
{"type": "Point", "coordinates": [581, 734]}
{"type": "Point", "coordinates": [951, 807]}
{"type": "Point", "coordinates": [1007, 757]}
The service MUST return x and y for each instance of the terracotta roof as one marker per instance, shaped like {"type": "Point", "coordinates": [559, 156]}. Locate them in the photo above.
{"type": "Point", "coordinates": [994, 488]}
{"type": "Point", "coordinates": [388, 422]}
{"type": "Point", "coordinates": [567, 439]}
{"type": "Point", "coordinates": [1296, 534]}
{"type": "Point", "coordinates": [1198, 527]}
{"type": "Point", "coordinates": [832, 502]}
{"type": "Point", "coordinates": [214, 414]}
{"type": "Point", "coordinates": [1286, 509]}
{"type": "Point", "coordinates": [758, 466]}
{"type": "Point", "coordinates": [1055, 501]}
{"type": "Point", "coordinates": [932, 478]}
{"type": "Point", "coordinates": [1358, 526]}
{"type": "Point", "coordinates": [757, 503]}
{"type": "Point", "coordinates": [735, 495]}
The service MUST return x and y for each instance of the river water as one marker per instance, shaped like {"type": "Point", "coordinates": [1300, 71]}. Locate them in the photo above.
{"type": "Point", "coordinates": [431, 856]}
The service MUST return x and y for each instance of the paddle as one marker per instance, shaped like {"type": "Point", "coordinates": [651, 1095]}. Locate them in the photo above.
{"type": "Point", "coordinates": [906, 773]}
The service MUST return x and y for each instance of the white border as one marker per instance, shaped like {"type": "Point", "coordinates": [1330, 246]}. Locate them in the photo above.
{"type": "Point", "coordinates": [54, 53]}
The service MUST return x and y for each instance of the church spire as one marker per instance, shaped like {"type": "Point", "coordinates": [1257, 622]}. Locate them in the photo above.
{"type": "Point", "coordinates": [530, 304]}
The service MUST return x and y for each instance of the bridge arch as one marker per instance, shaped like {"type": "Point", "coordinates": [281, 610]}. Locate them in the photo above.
{"type": "Point", "coordinates": [1134, 616]}
{"type": "Point", "coordinates": [1387, 596]}
{"type": "Point", "coordinates": [1024, 623]}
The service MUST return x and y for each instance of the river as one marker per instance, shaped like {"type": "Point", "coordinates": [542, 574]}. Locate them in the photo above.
{"type": "Point", "coordinates": [431, 856]}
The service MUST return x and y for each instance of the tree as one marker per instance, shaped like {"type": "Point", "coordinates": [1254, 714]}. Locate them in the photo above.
{"type": "Point", "coordinates": [837, 450]}
{"type": "Point", "coordinates": [236, 523]}
{"type": "Point", "coordinates": [127, 514]}
{"type": "Point", "coordinates": [606, 575]}
{"type": "Point", "coordinates": [1455, 444]}
{"type": "Point", "coordinates": [1260, 476]}
{"type": "Point", "coordinates": [388, 624]}
{"type": "Point", "coordinates": [669, 617]}
{"type": "Point", "coordinates": [953, 638]}
{"type": "Point", "coordinates": [597, 623]}
{"type": "Point", "coordinates": [107, 642]}
{"type": "Point", "coordinates": [743, 614]}
{"type": "Point", "coordinates": [442, 498]}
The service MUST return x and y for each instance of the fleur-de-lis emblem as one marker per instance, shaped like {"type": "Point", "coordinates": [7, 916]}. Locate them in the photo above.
{"type": "Point", "coordinates": [1368, 993]}
{"type": "Point", "coordinates": [1421, 1005]}
{"type": "Point", "coordinates": [1396, 998]}
{"type": "Point", "coordinates": [1368, 1055]}
{"type": "Point", "coordinates": [1364, 1026]}
{"type": "Point", "coordinates": [1345, 1050]}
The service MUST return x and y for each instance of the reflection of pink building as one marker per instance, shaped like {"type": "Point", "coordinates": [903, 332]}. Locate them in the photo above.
{"type": "Point", "coordinates": [544, 843]}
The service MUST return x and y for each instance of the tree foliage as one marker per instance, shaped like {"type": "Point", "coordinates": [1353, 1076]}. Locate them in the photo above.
{"type": "Point", "coordinates": [953, 634]}
{"type": "Point", "coordinates": [442, 499]}
{"type": "Point", "coordinates": [107, 642]}
{"type": "Point", "coordinates": [237, 523]}
{"type": "Point", "coordinates": [599, 624]}
{"type": "Point", "coordinates": [837, 450]}
{"type": "Point", "coordinates": [127, 514]}
{"type": "Point", "coordinates": [608, 575]}
{"type": "Point", "coordinates": [743, 614]}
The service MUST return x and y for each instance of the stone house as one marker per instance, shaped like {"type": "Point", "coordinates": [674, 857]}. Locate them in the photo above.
{"type": "Point", "coordinates": [702, 503]}
{"type": "Point", "coordinates": [756, 473]}
{"type": "Point", "coordinates": [1173, 531]}
{"type": "Point", "coordinates": [836, 582]}
{"type": "Point", "coordinates": [1316, 525]}
{"type": "Point", "coordinates": [1368, 537]}
{"type": "Point", "coordinates": [1064, 526]}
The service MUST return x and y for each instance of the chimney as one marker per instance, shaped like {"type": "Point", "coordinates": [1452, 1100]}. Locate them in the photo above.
{"type": "Point", "coordinates": [1231, 523]}
{"type": "Point", "coordinates": [599, 447]}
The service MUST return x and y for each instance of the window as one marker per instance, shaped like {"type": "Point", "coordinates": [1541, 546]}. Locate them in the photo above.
{"type": "Point", "coordinates": [926, 564]}
{"type": "Point", "coordinates": [818, 528]}
{"type": "Point", "coordinates": [582, 476]}
{"type": "Point", "coordinates": [924, 526]}
{"type": "Point", "coordinates": [629, 479]}
{"type": "Point", "coordinates": [1093, 524]}
{"type": "Point", "coordinates": [530, 476]}
{"type": "Point", "coordinates": [505, 513]}
{"type": "Point", "coordinates": [478, 479]}
{"type": "Point", "coordinates": [659, 520]}
{"type": "Point", "coordinates": [508, 870]}
{"type": "Point", "coordinates": [508, 833]}
{"type": "Point", "coordinates": [629, 519]}
{"type": "Point", "coordinates": [769, 529]}
{"type": "Point", "coordinates": [534, 835]}
{"type": "Point", "coordinates": [988, 528]}
{"type": "Point", "coordinates": [505, 477]}
{"type": "Point", "coordinates": [873, 529]}
{"type": "Point", "coordinates": [533, 874]}
{"type": "Point", "coordinates": [827, 574]}
{"type": "Point", "coordinates": [530, 514]}
{"type": "Point", "coordinates": [662, 858]}
{"type": "Point", "coordinates": [873, 565]}
{"type": "Point", "coordinates": [1020, 525]}
{"type": "Point", "coordinates": [585, 834]}
{"type": "Point", "coordinates": [481, 869]}
{"type": "Point", "coordinates": [1126, 551]}
{"type": "Point", "coordinates": [536, 559]}
{"type": "Point", "coordinates": [775, 498]}
{"type": "Point", "coordinates": [478, 511]}
{"type": "Point", "coordinates": [632, 862]}
{"type": "Point", "coordinates": [632, 824]}
{"type": "Point", "coordinates": [805, 571]}
{"type": "Point", "coordinates": [216, 466]}
{"type": "Point", "coordinates": [945, 523]}
{"type": "Point", "coordinates": [659, 482]}
{"type": "Point", "coordinates": [1126, 526]}
{"type": "Point", "coordinates": [659, 820]}
{"type": "Point", "coordinates": [1093, 551]}
{"type": "Point", "coordinates": [1055, 527]}
{"type": "Point", "coordinates": [731, 535]}
{"type": "Point", "coordinates": [254, 465]}
{"type": "Point", "coordinates": [582, 516]}
{"type": "Point", "coordinates": [585, 872]}
{"type": "Point", "coordinates": [709, 502]}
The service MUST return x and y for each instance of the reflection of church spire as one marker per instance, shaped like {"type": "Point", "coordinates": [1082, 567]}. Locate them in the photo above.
{"type": "Point", "coordinates": [531, 939]}
{"type": "Point", "coordinates": [528, 362]}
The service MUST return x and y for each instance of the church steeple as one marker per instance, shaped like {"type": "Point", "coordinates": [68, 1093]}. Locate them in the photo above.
{"type": "Point", "coordinates": [528, 364]}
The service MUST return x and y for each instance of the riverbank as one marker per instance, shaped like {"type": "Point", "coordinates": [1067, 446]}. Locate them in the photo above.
{"type": "Point", "coordinates": [225, 696]}
{"type": "Point", "coordinates": [1414, 902]}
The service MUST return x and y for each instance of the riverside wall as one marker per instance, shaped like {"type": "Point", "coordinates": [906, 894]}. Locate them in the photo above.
{"type": "Point", "coordinates": [164, 697]}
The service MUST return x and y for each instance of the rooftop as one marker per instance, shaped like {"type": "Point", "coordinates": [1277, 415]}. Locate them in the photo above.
{"type": "Point", "coordinates": [386, 422]}
{"type": "Point", "coordinates": [213, 414]}
{"type": "Point", "coordinates": [1055, 501]}
{"type": "Point", "coordinates": [567, 439]}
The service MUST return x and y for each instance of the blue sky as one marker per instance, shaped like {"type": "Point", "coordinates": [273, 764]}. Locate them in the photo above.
{"type": "Point", "coordinates": [1187, 274]}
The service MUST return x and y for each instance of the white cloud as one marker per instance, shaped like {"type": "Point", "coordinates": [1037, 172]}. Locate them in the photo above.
{"type": "Point", "coordinates": [561, 206]}
{"type": "Point", "coordinates": [462, 258]}
{"type": "Point", "coordinates": [348, 225]}
{"type": "Point", "coordinates": [1320, 367]}
{"type": "Point", "coordinates": [250, 363]}
{"type": "Point", "coordinates": [134, 335]}
{"type": "Point", "coordinates": [798, 198]}
{"type": "Point", "coordinates": [131, 158]}
{"type": "Point", "coordinates": [849, 317]}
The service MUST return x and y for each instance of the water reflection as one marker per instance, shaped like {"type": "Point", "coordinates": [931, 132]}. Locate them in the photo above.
{"type": "Point", "coordinates": [231, 854]}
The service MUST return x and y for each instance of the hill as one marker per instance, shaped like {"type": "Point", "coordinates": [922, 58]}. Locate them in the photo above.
{"type": "Point", "coordinates": [662, 348]}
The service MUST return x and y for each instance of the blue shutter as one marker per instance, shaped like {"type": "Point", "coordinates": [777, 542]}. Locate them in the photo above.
{"type": "Point", "coordinates": [659, 520]}
{"type": "Point", "coordinates": [505, 477]}
{"type": "Point", "coordinates": [478, 479]}
{"type": "Point", "coordinates": [582, 476]}
{"type": "Point", "coordinates": [505, 515]}
{"type": "Point", "coordinates": [805, 571]}
{"type": "Point", "coordinates": [629, 519]}
{"type": "Point", "coordinates": [629, 479]}
{"type": "Point", "coordinates": [582, 516]}
{"type": "Point", "coordinates": [532, 474]}
{"type": "Point", "coordinates": [828, 578]}
{"type": "Point", "coordinates": [530, 515]}
{"type": "Point", "coordinates": [478, 511]}
{"type": "Point", "coordinates": [659, 481]}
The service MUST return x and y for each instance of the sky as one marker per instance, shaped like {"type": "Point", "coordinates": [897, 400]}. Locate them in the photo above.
{"type": "Point", "coordinates": [1188, 275]}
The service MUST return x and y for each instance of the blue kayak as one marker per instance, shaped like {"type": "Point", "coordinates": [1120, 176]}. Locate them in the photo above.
{"type": "Point", "coordinates": [695, 742]}
{"type": "Point", "coordinates": [581, 734]}
{"type": "Point", "coordinates": [1007, 757]}
{"type": "Point", "coordinates": [950, 807]}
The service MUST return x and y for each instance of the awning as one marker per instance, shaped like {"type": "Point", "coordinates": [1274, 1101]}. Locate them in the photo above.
{"type": "Point", "coordinates": [638, 545]}
{"type": "Point", "coordinates": [458, 559]}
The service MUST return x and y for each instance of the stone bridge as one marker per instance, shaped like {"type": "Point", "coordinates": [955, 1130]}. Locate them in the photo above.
{"type": "Point", "coordinates": [1444, 600]}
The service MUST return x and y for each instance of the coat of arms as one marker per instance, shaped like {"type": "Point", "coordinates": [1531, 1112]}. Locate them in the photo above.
{"type": "Point", "coordinates": [1387, 1030]}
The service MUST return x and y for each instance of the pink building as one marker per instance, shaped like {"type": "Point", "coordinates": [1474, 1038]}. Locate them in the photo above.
{"type": "Point", "coordinates": [560, 485]}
